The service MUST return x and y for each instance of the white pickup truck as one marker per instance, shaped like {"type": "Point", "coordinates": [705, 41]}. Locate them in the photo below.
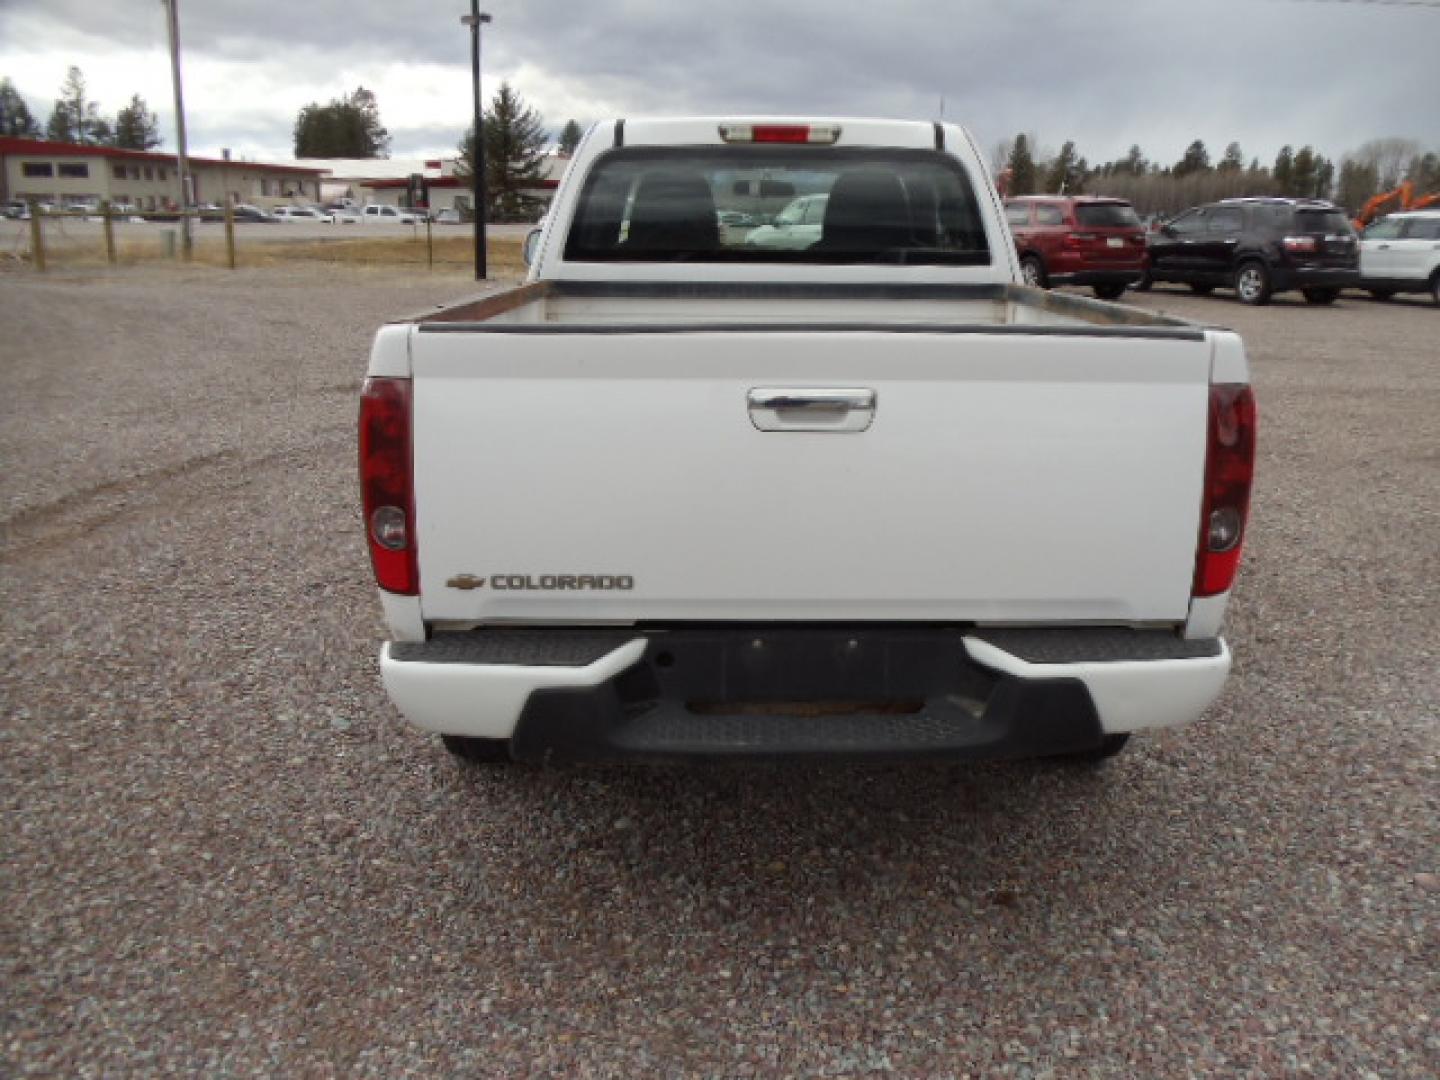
{"type": "Point", "coordinates": [678, 496]}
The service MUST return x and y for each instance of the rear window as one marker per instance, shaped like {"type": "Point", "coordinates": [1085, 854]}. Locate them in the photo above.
{"type": "Point", "coordinates": [1106, 215]}
{"type": "Point", "coordinates": [802, 204]}
{"type": "Point", "coordinates": [1322, 221]}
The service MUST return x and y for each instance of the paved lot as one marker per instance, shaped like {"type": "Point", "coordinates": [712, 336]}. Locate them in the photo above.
{"type": "Point", "coordinates": [222, 853]}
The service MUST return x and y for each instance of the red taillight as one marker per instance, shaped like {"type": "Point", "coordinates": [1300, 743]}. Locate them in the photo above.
{"type": "Point", "coordinates": [823, 134]}
{"type": "Point", "coordinates": [385, 484]}
{"type": "Point", "coordinates": [1229, 469]}
{"type": "Point", "coordinates": [1301, 244]}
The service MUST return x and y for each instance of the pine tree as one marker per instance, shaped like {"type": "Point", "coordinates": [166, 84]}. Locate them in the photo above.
{"type": "Point", "coordinates": [1284, 170]}
{"type": "Point", "coordinates": [136, 127]}
{"type": "Point", "coordinates": [1195, 160]}
{"type": "Point", "coordinates": [74, 119]}
{"type": "Point", "coordinates": [1233, 161]}
{"type": "Point", "coordinates": [514, 151]}
{"type": "Point", "coordinates": [348, 127]}
{"type": "Point", "coordinates": [1021, 168]}
{"type": "Point", "coordinates": [1066, 173]}
{"type": "Point", "coordinates": [15, 117]}
{"type": "Point", "coordinates": [570, 137]}
{"type": "Point", "coordinates": [1358, 182]}
{"type": "Point", "coordinates": [1303, 172]}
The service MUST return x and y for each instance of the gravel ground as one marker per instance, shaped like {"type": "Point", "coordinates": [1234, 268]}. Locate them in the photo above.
{"type": "Point", "coordinates": [224, 854]}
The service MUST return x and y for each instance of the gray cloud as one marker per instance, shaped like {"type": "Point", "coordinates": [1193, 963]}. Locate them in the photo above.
{"type": "Point", "coordinates": [1106, 73]}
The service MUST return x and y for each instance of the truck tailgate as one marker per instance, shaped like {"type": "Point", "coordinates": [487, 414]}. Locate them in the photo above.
{"type": "Point", "coordinates": [614, 477]}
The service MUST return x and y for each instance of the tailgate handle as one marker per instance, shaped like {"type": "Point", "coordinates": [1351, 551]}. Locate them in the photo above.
{"type": "Point", "coordinates": [806, 409]}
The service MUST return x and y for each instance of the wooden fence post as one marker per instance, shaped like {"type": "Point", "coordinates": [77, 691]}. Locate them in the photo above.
{"type": "Point", "coordinates": [230, 233]}
{"type": "Point", "coordinates": [37, 237]}
{"type": "Point", "coordinates": [109, 232]}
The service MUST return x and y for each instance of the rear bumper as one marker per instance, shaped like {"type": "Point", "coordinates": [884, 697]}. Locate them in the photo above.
{"type": "Point", "coordinates": [1109, 276]}
{"type": "Point", "coordinates": [1316, 277]}
{"type": "Point", "coordinates": [832, 692]}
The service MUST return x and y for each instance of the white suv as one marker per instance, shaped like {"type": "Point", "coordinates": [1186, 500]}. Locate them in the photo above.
{"type": "Point", "coordinates": [1401, 253]}
{"type": "Point", "coordinates": [394, 215]}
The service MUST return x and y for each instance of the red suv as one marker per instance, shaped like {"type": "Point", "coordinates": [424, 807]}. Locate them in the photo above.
{"type": "Point", "coordinates": [1078, 240]}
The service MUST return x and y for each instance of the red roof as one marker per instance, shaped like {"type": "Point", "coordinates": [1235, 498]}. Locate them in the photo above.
{"type": "Point", "coordinates": [9, 145]}
{"type": "Point", "coordinates": [444, 182]}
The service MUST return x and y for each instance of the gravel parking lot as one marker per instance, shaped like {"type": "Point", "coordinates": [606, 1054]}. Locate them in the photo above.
{"type": "Point", "coordinates": [224, 854]}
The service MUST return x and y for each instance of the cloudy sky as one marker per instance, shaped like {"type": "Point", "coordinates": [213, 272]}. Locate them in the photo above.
{"type": "Point", "coordinates": [1106, 73]}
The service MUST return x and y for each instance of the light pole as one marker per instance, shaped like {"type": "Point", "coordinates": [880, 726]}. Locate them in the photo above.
{"type": "Point", "coordinates": [477, 167]}
{"type": "Point", "coordinates": [172, 22]}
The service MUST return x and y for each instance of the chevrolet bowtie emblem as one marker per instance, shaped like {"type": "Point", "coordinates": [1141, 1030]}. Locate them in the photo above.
{"type": "Point", "coordinates": [466, 581]}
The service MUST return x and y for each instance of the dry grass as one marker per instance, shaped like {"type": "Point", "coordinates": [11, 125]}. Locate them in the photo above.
{"type": "Point", "coordinates": [447, 253]}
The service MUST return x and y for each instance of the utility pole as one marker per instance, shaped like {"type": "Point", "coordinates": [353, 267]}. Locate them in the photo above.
{"type": "Point", "coordinates": [183, 167]}
{"type": "Point", "coordinates": [477, 179]}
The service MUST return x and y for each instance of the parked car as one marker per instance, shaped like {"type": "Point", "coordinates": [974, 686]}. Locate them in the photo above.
{"type": "Point", "coordinates": [1079, 240]}
{"type": "Point", "coordinates": [1401, 253]}
{"type": "Point", "coordinates": [246, 212]}
{"type": "Point", "coordinates": [301, 213]}
{"type": "Point", "coordinates": [17, 208]}
{"type": "Point", "coordinates": [390, 215]}
{"type": "Point", "coordinates": [803, 586]}
{"type": "Point", "coordinates": [1258, 247]}
{"type": "Point", "coordinates": [343, 215]}
{"type": "Point", "coordinates": [449, 216]}
{"type": "Point", "coordinates": [795, 228]}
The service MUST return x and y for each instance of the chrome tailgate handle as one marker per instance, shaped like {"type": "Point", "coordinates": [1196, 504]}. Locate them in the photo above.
{"type": "Point", "coordinates": [807, 409]}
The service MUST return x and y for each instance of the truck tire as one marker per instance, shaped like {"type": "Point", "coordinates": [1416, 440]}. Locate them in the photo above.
{"type": "Point", "coordinates": [478, 751]}
{"type": "Point", "coordinates": [1435, 287]}
{"type": "Point", "coordinates": [1032, 270]}
{"type": "Point", "coordinates": [1109, 292]}
{"type": "Point", "coordinates": [1252, 283]}
{"type": "Point", "coordinates": [1320, 296]}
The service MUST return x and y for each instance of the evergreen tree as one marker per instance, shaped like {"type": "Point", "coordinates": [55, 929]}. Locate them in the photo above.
{"type": "Point", "coordinates": [1022, 168]}
{"type": "Point", "coordinates": [1424, 173]}
{"type": "Point", "coordinates": [514, 151]}
{"type": "Point", "coordinates": [1195, 160]}
{"type": "Point", "coordinates": [1066, 175]}
{"type": "Point", "coordinates": [348, 127]}
{"type": "Point", "coordinates": [74, 119]}
{"type": "Point", "coordinates": [1233, 161]}
{"type": "Point", "coordinates": [1284, 170]}
{"type": "Point", "coordinates": [15, 117]}
{"type": "Point", "coordinates": [1133, 162]}
{"type": "Point", "coordinates": [1303, 174]}
{"type": "Point", "coordinates": [570, 137]}
{"type": "Point", "coordinates": [1358, 182]}
{"type": "Point", "coordinates": [136, 127]}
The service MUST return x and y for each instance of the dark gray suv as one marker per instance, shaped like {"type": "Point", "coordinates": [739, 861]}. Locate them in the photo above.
{"type": "Point", "coordinates": [1258, 247]}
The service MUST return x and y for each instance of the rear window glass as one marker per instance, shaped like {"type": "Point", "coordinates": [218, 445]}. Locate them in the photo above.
{"type": "Point", "coordinates": [761, 204]}
{"type": "Point", "coordinates": [1423, 229]}
{"type": "Point", "coordinates": [1018, 214]}
{"type": "Point", "coordinates": [1102, 215]}
{"type": "Point", "coordinates": [1321, 221]}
